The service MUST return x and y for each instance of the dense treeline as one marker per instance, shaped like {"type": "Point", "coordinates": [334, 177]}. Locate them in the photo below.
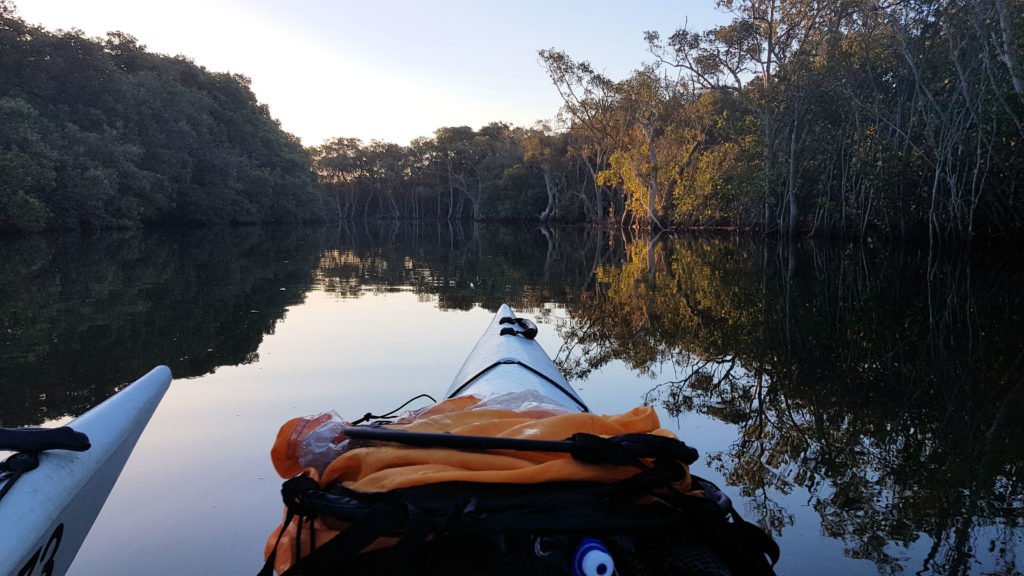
{"type": "Point", "coordinates": [848, 115]}
{"type": "Point", "coordinates": [102, 133]}
{"type": "Point", "coordinates": [498, 172]}
{"type": "Point", "coordinates": [797, 117]}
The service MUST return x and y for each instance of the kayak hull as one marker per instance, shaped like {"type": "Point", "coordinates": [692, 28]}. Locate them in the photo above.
{"type": "Point", "coordinates": [511, 362]}
{"type": "Point", "coordinates": [48, 512]}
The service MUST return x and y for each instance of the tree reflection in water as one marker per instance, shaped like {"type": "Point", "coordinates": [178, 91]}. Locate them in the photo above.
{"type": "Point", "coordinates": [82, 314]}
{"type": "Point", "coordinates": [884, 382]}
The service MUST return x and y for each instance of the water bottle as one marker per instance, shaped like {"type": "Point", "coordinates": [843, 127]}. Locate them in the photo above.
{"type": "Point", "coordinates": [592, 559]}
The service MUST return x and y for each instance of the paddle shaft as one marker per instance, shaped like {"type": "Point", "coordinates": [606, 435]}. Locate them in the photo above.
{"type": "Point", "coordinates": [622, 449]}
{"type": "Point", "coordinates": [457, 441]}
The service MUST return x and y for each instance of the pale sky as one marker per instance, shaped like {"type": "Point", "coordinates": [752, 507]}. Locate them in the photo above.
{"type": "Point", "coordinates": [388, 69]}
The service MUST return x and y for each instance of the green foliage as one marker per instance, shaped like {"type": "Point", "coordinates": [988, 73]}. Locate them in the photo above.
{"type": "Point", "coordinates": [517, 195]}
{"type": "Point", "coordinates": [796, 118]}
{"type": "Point", "coordinates": [27, 168]}
{"type": "Point", "coordinates": [460, 173]}
{"type": "Point", "coordinates": [803, 117]}
{"type": "Point", "coordinates": [101, 133]}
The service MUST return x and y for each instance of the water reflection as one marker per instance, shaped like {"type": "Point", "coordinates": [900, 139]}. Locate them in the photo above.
{"type": "Point", "coordinates": [80, 315]}
{"type": "Point", "coordinates": [461, 268]}
{"type": "Point", "coordinates": [881, 382]}
{"type": "Point", "coordinates": [885, 383]}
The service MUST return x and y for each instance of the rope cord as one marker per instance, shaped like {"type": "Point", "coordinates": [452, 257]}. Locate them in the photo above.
{"type": "Point", "coordinates": [371, 416]}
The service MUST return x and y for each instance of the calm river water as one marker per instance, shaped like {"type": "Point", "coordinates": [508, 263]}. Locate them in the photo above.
{"type": "Point", "coordinates": [861, 402]}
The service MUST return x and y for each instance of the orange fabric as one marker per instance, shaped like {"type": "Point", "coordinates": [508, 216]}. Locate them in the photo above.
{"type": "Point", "coordinates": [286, 549]}
{"type": "Point", "coordinates": [383, 467]}
{"type": "Point", "coordinates": [284, 454]}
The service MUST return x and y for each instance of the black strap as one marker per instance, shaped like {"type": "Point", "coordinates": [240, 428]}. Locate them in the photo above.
{"type": "Point", "coordinates": [597, 450]}
{"type": "Point", "coordinates": [13, 467]}
{"type": "Point", "coordinates": [372, 523]}
{"type": "Point", "coordinates": [344, 548]}
{"type": "Point", "coordinates": [644, 446]}
{"type": "Point", "coordinates": [624, 449]}
{"type": "Point", "coordinates": [268, 565]}
{"type": "Point", "coordinates": [744, 547]}
{"type": "Point", "coordinates": [36, 440]}
{"type": "Point", "coordinates": [28, 443]}
{"type": "Point", "coordinates": [475, 506]}
{"type": "Point", "coordinates": [758, 539]}
{"type": "Point", "coordinates": [454, 508]}
{"type": "Point", "coordinates": [293, 493]}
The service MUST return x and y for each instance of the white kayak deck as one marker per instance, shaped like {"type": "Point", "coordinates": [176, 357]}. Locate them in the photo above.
{"type": "Point", "coordinates": [512, 362]}
{"type": "Point", "coordinates": [48, 512]}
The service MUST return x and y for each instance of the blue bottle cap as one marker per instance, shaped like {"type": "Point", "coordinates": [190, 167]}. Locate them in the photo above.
{"type": "Point", "coordinates": [592, 559]}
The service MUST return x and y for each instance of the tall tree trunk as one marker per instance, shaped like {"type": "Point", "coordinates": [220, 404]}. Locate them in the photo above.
{"type": "Point", "coordinates": [652, 192]}
{"type": "Point", "coordinates": [770, 40]}
{"type": "Point", "coordinates": [1009, 48]}
{"type": "Point", "coordinates": [598, 212]}
{"type": "Point", "coordinates": [549, 210]}
{"type": "Point", "coordinates": [451, 197]}
{"type": "Point", "coordinates": [791, 184]}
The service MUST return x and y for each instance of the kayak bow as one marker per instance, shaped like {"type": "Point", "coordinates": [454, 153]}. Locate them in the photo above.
{"type": "Point", "coordinates": [48, 512]}
{"type": "Point", "coordinates": [507, 358]}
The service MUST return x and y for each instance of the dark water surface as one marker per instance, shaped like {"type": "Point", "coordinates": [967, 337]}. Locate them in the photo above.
{"type": "Point", "coordinates": [861, 402]}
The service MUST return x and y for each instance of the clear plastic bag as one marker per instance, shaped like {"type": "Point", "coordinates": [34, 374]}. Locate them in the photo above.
{"type": "Point", "coordinates": [324, 443]}
{"type": "Point", "coordinates": [318, 440]}
{"type": "Point", "coordinates": [529, 403]}
{"type": "Point", "coordinates": [524, 401]}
